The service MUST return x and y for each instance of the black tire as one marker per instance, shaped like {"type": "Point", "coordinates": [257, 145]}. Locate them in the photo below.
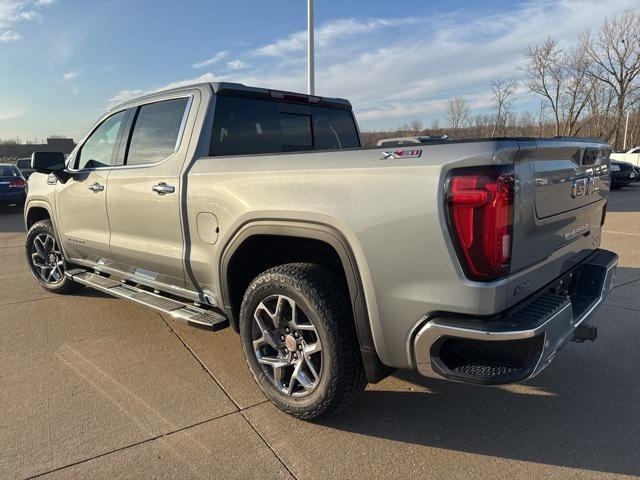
{"type": "Point", "coordinates": [323, 299]}
{"type": "Point", "coordinates": [64, 284]}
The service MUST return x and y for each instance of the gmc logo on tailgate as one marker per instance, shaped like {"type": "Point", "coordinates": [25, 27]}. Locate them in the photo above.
{"type": "Point", "coordinates": [582, 187]}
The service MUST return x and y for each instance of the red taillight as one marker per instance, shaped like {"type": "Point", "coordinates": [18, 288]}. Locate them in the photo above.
{"type": "Point", "coordinates": [18, 183]}
{"type": "Point", "coordinates": [480, 215]}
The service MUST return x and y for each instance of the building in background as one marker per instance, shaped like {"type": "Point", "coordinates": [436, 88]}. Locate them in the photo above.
{"type": "Point", "coordinates": [14, 150]}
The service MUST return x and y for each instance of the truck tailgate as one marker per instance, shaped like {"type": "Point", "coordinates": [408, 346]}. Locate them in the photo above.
{"type": "Point", "coordinates": [563, 186]}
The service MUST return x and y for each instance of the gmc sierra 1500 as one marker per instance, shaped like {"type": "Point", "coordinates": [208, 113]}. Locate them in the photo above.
{"type": "Point", "coordinates": [219, 204]}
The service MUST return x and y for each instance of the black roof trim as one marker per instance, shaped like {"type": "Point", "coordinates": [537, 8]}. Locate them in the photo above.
{"type": "Point", "coordinates": [239, 90]}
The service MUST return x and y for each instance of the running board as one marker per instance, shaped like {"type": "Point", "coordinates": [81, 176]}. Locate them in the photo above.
{"type": "Point", "coordinates": [190, 313]}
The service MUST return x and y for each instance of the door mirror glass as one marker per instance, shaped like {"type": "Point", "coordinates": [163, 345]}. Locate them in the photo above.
{"type": "Point", "coordinates": [47, 162]}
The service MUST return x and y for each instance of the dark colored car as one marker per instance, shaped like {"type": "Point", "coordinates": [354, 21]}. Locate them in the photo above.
{"type": "Point", "coordinates": [12, 185]}
{"type": "Point", "coordinates": [24, 164]}
{"type": "Point", "coordinates": [622, 174]}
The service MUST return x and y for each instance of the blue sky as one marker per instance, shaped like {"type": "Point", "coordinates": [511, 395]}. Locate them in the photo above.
{"type": "Point", "coordinates": [63, 62]}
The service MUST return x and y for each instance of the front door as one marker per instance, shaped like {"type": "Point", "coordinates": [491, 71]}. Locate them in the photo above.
{"type": "Point", "coordinates": [143, 201]}
{"type": "Point", "coordinates": [81, 200]}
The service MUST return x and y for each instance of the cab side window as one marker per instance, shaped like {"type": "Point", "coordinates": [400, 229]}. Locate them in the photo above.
{"type": "Point", "coordinates": [156, 131]}
{"type": "Point", "coordinates": [99, 149]}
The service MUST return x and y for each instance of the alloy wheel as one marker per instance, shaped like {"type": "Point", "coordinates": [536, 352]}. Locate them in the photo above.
{"type": "Point", "coordinates": [287, 346]}
{"type": "Point", "coordinates": [46, 258]}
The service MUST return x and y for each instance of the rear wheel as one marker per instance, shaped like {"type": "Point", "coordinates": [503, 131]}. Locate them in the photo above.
{"type": "Point", "coordinates": [45, 259]}
{"type": "Point", "coordinates": [299, 340]}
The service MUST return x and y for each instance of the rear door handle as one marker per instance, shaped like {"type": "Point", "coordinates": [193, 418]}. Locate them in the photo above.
{"type": "Point", "coordinates": [96, 187]}
{"type": "Point", "coordinates": [162, 188]}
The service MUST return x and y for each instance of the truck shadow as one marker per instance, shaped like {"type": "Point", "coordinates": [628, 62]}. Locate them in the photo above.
{"type": "Point", "coordinates": [582, 412]}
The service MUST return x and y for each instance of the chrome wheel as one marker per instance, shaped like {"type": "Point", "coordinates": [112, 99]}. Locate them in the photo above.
{"type": "Point", "coordinates": [46, 258]}
{"type": "Point", "coordinates": [287, 346]}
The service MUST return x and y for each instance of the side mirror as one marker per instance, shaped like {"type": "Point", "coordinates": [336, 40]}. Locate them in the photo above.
{"type": "Point", "coordinates": [50, 162]}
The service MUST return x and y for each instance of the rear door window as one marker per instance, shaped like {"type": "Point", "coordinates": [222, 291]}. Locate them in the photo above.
{"type": "Point", "coordinates": [245, 126]}
{"type": "Point", "coordinates": [156, 131]}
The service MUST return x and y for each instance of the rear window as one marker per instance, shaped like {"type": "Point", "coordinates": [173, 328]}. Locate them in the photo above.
{"type": "Point", "coordinates": [8, 171]}
{"type": "Point", "coordinates": [26, 163]}
{"type": "Point", "coordinates": [245, 126]}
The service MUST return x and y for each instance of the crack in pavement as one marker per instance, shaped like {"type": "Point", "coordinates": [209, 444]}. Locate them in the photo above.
{"type": "Point", "coordinates": [626, 283]}
{"type": "Point", "coordinates": [239, 409]}
{"type": "Point", "coordinates": [141, 442]}
{"type": "Point", "coordinates": [27, 301]}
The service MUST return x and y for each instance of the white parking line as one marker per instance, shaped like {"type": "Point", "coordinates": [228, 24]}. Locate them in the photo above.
{"type": "Point", "coordinates": [622, 233]}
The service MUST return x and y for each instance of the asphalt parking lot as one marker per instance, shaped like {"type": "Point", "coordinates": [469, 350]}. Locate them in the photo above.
{"type": "Point", "coordinates": [96, 387]}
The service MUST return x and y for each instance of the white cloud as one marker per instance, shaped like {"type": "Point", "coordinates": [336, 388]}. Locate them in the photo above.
{"type": "Point", "coordinates": [210, 61]}
{"type": "Point", "coordinates": [69, 76]}
{"type": "Point", "coordinates": [8, 113]}
{"type": "Point", "coordinates": [394, 70]}
{"type": "Point", "coordinates": [401, 73]}
{"type": "Point", "coordinates": [330, 32]}
{"type": "Point", "coordinates": [9, 36]}
{"type": "Point", "coordinates": [124, 95]}
{"type": "Point", "coordinates": [237, 65]}
{"type": "Point", "coordinates": [14, 11]}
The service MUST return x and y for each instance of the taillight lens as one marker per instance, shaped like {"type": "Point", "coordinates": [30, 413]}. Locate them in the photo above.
{"type": "Point", "coordinates": [480, 216]}
{"type": "Point", "coordinates": [18, 183]}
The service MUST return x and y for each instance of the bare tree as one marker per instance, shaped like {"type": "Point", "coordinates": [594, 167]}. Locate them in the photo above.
{"type": "Point", "coordinates": [416, 126]}
{"type": "Point", "coordinates": [615, 56]}
{"type": "Point", "coordinates": [457, 113]}
{"type": "Point", "coordinates": [503, 97]}
{"type": "Point", "coordinates": [545, 75]}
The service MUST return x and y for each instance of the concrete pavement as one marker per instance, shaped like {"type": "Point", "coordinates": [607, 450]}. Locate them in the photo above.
{"type": "Point", "coordinates": [95, 387]}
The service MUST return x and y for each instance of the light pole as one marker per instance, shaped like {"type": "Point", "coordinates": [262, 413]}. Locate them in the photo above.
{"type": "Point", "coordinates": [311, 87]}
{"type": "Point", "coordinates": [626, 127]}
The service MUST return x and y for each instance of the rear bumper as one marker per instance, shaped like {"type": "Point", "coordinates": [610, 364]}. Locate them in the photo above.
{"type": "Point", "coordinates": [520, 343]}
{"type": "Point", "coordinates": [15, 196]}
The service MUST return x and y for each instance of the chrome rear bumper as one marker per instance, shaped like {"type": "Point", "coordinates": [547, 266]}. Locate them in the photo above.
{"type": "Point", "coordinates": [444, 347]}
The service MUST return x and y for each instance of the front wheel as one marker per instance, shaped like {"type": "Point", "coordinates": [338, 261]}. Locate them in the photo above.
{"type": "Point", "coordinates": [46, 260]}
{"type": "Point", "coordinates": [299, 340]}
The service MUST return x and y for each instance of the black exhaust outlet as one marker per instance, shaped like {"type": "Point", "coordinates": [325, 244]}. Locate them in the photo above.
{"type": "Point", "coordinates": [584, 333]}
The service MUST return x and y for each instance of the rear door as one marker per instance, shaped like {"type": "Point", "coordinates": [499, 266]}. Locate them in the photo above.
{"type": "Point", "coordinates": [81, 200]}
{"type": "Point", "coordinates": [144, 193]}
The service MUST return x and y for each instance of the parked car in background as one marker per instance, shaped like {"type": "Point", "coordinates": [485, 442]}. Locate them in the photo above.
{"type": "Point", "coordinates": [12, 185]}
{"type": "Point", "coordinates": [631, 156]}
{"type": "Point", "coordinates": [622, 174]}
{"type": "Point", "coordinates": [24, 164]}
{"type": "Point", "coordinates": [420, 140]}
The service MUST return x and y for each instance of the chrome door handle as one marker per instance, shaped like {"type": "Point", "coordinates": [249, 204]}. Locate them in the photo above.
{"type": "Point", "coordinates": [96, 187]}
{"type": "Point", "coordinates": [162, 188]}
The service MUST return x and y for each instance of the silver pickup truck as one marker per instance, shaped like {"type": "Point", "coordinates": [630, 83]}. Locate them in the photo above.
{"type": "Point", "coordinates": [221, 204]}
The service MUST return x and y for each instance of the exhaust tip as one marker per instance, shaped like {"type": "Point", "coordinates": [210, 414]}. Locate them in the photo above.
{"type": "Point", "coordinates": [585, 333]}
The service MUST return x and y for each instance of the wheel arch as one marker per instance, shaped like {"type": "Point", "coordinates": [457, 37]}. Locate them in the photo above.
{"type": "Point", "coordinates": [35, 212]}
{"type": "Point", "coordinates": [324, 235]}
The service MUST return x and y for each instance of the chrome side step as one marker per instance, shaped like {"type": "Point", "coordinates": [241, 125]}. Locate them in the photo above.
{"type": "Point", "coordinates": [177, 309]}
